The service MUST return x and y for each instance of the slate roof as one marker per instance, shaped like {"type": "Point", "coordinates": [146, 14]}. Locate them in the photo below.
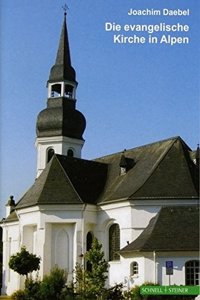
{"type": "Point", "coordinates": [62, 69]}
{"type": "Point", "coordinates": [60, 118]}
{"type": "Point", "coordinates": [66, 180]}
{"type": "Point", "coordinates": [159, 170]}
{"type": "Point", "coordinates": [155, 171]}
{"type": "Point", "coordinates": [172, 229]}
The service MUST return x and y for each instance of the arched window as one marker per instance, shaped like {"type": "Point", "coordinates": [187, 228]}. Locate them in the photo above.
{"type": "Point", "coordinates": [114, 242]}
{"type": "Point", "coordinates": [89, 240]}
{"type": "Point", "coordinates": [134, 268]}
{"type": "Point", "coordinates": [50, 154]}
{"type": "Point", "coordinates": [70, 153]}
{"type": "Point", "coordinates": [192, 272]}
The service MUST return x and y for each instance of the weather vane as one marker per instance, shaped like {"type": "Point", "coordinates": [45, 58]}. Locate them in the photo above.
{"type": "Point", "coordinates": [65, 8]}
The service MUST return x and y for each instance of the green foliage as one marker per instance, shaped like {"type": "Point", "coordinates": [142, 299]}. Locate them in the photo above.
{"type": "Point", "coordinates": [115, 293]}
{"type": "Point", "coordinates": [32, 289]}
{"type": "Point", "coordinates": [96, 277]}
{"type": "Point", "coordinates": [135, 293]}
{"type": "Point", "coordinates": [80, 279]}
{"type": "Point", "coordinates": [19, 295]}
{"type": "Point", "coordinates": [90, 283]}
{"type": "Point", "coordinates": [52, 285]}
{"type": "Point", "coordinates": [24, 262]}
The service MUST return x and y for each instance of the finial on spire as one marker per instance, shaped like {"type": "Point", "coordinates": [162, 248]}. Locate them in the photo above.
{"type": "Point", "coordinates": [65, 8]}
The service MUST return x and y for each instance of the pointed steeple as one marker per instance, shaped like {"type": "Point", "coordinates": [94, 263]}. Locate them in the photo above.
{"type": "Point", "coordinates": [60, 126]}
{"type": "Point", "coordinates": [62, 70]}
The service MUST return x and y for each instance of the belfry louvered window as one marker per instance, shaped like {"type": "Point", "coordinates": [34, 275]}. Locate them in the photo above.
{"type": "Point", "coordinates": [114, 242]}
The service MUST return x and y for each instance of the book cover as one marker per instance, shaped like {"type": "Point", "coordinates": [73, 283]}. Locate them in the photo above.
{"type": "Point", "coordinates": [136, 87]}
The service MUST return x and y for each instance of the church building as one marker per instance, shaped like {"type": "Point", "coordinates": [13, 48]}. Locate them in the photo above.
{"type": "Point", "coordinates": [141, 204]}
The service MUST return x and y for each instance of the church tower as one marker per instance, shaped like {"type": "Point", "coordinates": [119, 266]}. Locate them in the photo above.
{"type": "Point", "coordinates": [60, 126]}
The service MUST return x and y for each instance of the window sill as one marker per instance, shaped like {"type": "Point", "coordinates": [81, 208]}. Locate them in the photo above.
{"type": "Point", "coordinates": [134, 276]}
{"type": "Point", "coordinates": [114, 262]}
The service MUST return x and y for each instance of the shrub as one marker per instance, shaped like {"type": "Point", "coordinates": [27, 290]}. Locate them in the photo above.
{"type": "Point", "coordinates": [114, 293]}
{"type": "Point", "coordinates": [52, 285]}
{"type": "Point", "coordinates": [24, 262]}
{"type": "Point", "coordinates": [32, 289]}
{"type": "Point", "coordinates": [135, 293]}
{"type": "Point", "coordinates": [19, 295]}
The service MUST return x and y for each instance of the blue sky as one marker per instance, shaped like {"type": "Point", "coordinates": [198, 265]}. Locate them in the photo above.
{"type": "Point", "coordinates": [130, 94]}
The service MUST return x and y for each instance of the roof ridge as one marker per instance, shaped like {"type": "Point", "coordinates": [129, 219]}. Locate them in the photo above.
{"type": "Point", "coordinates": [46, 170]}
{"type": "Point", "coordinates": [65, 173]}
{"type": "Point", "coordinates": [151, 238]}
{"type": "Point", "coordinates": [188, 160]}
{"type": "Point", "coordinates": [138, 147]}
{"type": "Point", "coordinates": [160, 159]}
{"type": "Point", "coordinates": [154, 221]}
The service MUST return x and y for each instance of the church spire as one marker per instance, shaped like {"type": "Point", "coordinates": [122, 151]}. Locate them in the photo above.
{"type": "Point", "coordinates": [63, 54]}
{"type": "Point", "coordinates": [60, 126]}
{"type": "Point", "coordinates": [62, 77]}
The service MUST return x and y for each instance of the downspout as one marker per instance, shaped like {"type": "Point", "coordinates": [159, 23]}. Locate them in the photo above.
{"type": "Point", "coordinates": [155, 271]}
{"type": "Point", "coordinates": [83, 233]}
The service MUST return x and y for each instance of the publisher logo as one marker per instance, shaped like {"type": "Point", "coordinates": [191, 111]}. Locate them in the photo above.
{"type": "Point", "coordinates": [169, 290]}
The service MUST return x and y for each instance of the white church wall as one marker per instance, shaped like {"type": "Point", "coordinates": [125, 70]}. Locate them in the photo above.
{"type": "Point", "coordinates": [60, 145]}
{"type": "Point", "coordinates": [141, 215]}
{"type": "Point", "coordinates": [41, 229]}
{"type": "Point", "coordinates": [179, 259]}
{"type": "Point", "coordinates": [120, 272]}
{"type": "Point", "coordinates": [132, 220]}
{"type": "Point", "coordinates": [30, 237]}
{"type": "Point", "coordinates": [63, 238]}
{"type": "Point", "coordinates": [73, 223]}
{"type": "Point", "coordinates": [45, 240]}
{"type": "Point", "coordinates": [114, 214]}
{"type": "Point", "coordinates": [11, 240]}
{"type": "Point", "coordinates": [62, 245]}
{"type": "Point", "coordinates": [150, 268]}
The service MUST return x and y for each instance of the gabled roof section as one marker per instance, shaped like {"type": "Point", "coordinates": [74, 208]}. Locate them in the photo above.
{"type": "Point", "coordinates": [88, 177]}
{"type": "Point", "coordinates": [173, 229]}
{"type": "Point", "coordinates": [161, 170]}
{"type": "Point", "coordinates": [66, 180]}
{"type": "Point", "coordinates": [52, 187]}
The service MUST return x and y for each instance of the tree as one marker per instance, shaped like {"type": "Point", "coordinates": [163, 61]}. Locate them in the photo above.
{"type": "Point", "coordinates": [24, 262]}
{"type": "Point", "coordinates": [91, 282]}
{"type": "Point", "coordinates": [52, 285]}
